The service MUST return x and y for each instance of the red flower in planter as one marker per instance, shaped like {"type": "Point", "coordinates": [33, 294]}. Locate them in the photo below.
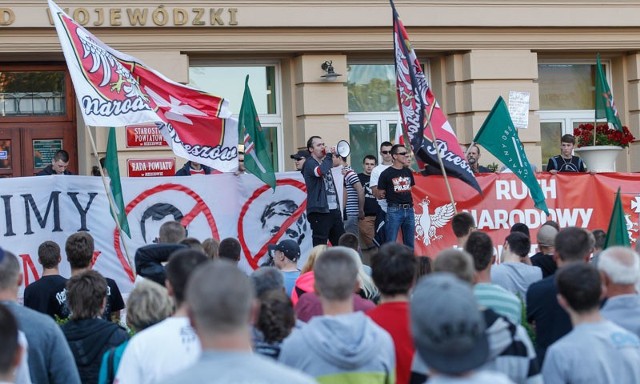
{"type": "Point", "coordinates": [604, 136]}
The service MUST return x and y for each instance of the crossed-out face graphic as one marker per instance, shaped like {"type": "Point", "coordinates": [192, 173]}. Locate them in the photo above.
{"type": "Point", "coordinates": [269, 217]}
{"type": "Point", "coordinates": [157, 205]}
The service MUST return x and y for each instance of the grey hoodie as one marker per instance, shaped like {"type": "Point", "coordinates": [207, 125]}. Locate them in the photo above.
{"type": "Point", "coordinates": [515, 277]}
{"type": "Point", "coordinates": [347, 347]}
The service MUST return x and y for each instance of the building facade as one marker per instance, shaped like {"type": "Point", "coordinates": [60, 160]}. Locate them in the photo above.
{"type": "Point", "coordinates": [473, 51]}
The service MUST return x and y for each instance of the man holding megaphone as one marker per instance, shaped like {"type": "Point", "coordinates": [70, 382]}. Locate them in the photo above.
{"type": "Point", "coordinates": [323, 209]}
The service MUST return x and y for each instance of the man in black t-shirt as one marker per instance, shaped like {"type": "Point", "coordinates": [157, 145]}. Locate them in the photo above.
{"type": "Point", "coordinates": [45, 294]}
{"type": "Point", "coordinates": [79, 249]}
{"type": "Point", "coordinates": [565, 161]}
{"type": "Point", "coordinates": [396, 182]}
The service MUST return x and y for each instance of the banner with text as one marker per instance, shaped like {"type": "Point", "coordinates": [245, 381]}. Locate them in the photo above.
{"type": "Point", "coordinates": [225, 205]}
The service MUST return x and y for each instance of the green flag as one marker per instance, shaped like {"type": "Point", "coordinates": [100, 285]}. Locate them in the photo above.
{"type": "Point", "coordinates": [617, 233]}
{"type": "Point", "coordinates": [605, 107]}
{"type": "Point", "coordinates": [111, 164]}
{"type": "Point", "coordinates": [500, 137]}
{"type": "Point", "coordinates": [256, 158]}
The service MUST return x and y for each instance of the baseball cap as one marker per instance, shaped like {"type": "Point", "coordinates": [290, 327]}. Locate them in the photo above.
{"type": "Point", "coordinates": [546, 236]}
{"type": "Point", "coordinates": [448, 327]}
{"type": "Point", "coordinates": [290, 248]}
{"type": "Point", "coordinates": [301, 154]}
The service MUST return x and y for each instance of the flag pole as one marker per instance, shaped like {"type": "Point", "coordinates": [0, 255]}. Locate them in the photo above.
{"type": "Point", "coordinates": [112, 204]}
{"type": "Point", "coordinates": [444, 172]}
{"type": "Point", "coordinates": [595, 101]}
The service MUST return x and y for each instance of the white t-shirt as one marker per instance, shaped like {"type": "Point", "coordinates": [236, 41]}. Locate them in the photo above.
{"type": "Point", "coordinates": [375, 175]}
{"type": "Point", "coordinates": [158, 352]}
{"type": "Point", "coordinates": [22, 372]}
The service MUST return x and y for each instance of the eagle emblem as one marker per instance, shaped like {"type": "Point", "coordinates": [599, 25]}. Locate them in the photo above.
{"type": "Point", "coordinates": [427, 224]}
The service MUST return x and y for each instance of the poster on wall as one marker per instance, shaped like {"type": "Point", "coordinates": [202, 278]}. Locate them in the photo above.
{"type": "Point", "coordinates": [44, 150]}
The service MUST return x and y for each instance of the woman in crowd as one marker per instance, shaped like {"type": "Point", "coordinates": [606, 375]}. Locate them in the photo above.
{"type": "Point", "coordinates": [148, 304]}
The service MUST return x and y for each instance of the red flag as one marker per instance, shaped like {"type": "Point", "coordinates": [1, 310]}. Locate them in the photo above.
{"type": "Point", "coordinates": [115, 89]}
{"type": "Point", "coordinates": [418, 108]}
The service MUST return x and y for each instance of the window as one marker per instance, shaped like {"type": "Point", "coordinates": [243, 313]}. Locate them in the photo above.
{"type": "Point", "coordinates": [372, 88]}
{"type": "Point", "coordinates": [24, 94]}
{"type": "Point", "coordinates": [373, 109]}
{"type": "Point", "coordinates": [567, 99]}
{"type": "Point", "coordinates": [228, 81]}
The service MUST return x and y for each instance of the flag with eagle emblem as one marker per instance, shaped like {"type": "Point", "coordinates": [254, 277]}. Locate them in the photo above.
{"type": "Point", "coordinates": [115, 90]}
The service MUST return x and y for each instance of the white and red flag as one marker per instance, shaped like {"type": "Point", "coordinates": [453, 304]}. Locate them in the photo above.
{"type": "Point", "coordinates": [425, 123]}
{"type": "Point", "coordinates": [115, 90]}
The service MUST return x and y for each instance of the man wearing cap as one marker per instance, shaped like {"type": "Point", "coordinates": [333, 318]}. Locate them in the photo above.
{"type": "Point", "coordinates": [510, 349]}
{"type": "Point", "coordinates": [544, 258]}
{"type": "Point", "coordinates": [299, 158]}
{"type": "Point", "coordinates": [285, 257]}
{"type": "Point", "coordinates": [442, 303]}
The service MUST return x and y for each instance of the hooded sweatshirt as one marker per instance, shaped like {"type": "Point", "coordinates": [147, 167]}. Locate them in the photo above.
{"type": "Point", "coordinates": [348, 348]}
{"type": "Point", "coordinates": [88, 340]}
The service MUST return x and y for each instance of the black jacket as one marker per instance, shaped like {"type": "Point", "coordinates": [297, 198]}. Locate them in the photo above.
{"type": "Point", "coordinates": [149, 258]}
{"type": "Point", "coordinates": [186, 169]}
{"type": "Point", "coordinates": [48, 170]}
{"type": "Point", "coordinates": [88, 340]}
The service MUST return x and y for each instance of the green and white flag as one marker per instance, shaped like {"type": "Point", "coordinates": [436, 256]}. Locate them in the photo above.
{"type": "Point", "coordinates": [111, 164]}
{"type": "Point", "coordinates": [499, 136]}
{"type": "Point", "coordinates": [617, 232]}
{"type": "Point", "coordinates": [605, 106]}
{"type": "Point", "coordinates": [256, 157]}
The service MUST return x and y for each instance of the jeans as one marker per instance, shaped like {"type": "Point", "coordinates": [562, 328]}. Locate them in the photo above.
{"type": "Point", "coordinates": [351, 225]}
{"type": "Point", "coordinates": [399, 218]}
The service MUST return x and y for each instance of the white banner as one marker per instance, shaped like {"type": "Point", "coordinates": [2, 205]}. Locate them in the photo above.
{"type": "Point", "coordinates": [53, 207]}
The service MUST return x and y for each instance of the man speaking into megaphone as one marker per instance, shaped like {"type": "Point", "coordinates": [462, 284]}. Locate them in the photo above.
{"type": "Point", "coordinates": [323, 209]}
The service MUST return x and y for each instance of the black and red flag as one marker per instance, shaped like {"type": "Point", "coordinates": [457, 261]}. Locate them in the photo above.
{"type": "Point", "coordinates": [423, 121]}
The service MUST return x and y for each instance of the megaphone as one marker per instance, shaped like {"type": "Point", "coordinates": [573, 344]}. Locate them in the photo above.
{"type": "Point", "coordinates": [343, 148]}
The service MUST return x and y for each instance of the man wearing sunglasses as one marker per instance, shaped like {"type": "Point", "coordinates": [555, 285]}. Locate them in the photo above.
{"type": "Point", "coordinates": [385, 152]}
{"type": "Point", "coordinates": [395, 185]}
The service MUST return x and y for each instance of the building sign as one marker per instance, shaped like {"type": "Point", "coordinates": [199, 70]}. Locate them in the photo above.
{"type": "Point", "coordinates": [158, 16]}
{"type": "Point", "coordinates": [151, 167]}
{"type": "Point", "coordinates": [144, 135]}
{"type": "Point", "coordinates": [43, 151]}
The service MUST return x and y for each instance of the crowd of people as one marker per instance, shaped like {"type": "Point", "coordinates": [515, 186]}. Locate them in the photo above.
{"type": "Point", "coordinates": [362, 309]}
{"type": "Point", "coordinates": [569, 314]}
